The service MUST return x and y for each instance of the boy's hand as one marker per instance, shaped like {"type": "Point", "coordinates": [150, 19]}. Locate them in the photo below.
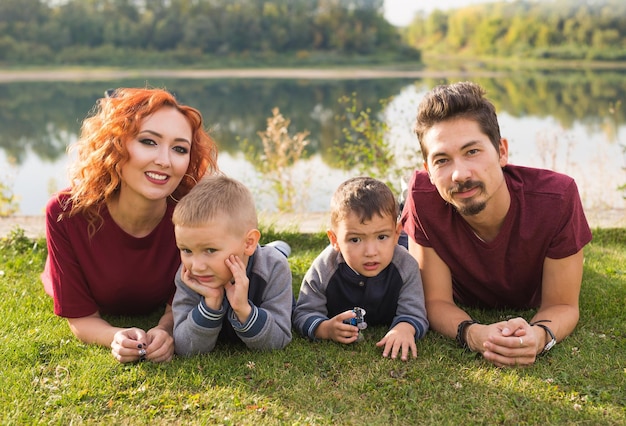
{"type": "Point", "coordinates": [335, 330]}
{"type": "Point", "coordinates": [213, 293]}
{"type": "Point", "coordinates": [237, 288]}
{"type": "Point", "coordinates": [400, 339]}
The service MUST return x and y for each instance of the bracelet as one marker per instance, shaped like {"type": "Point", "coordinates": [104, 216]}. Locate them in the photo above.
{"type": "Point", "coordinates": [552, 341]}
{"type": "Point", "coordinates": [460, 332]}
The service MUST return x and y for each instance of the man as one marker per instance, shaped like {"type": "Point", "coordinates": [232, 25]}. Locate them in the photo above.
{"type": "Point", "coordinates": [491, 235]}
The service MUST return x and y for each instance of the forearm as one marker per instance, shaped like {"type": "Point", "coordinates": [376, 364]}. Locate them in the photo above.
{"type": "Point", "coordinates": [269, 324]}
{"type": "Point", "coordinates": [166, 322]}
{"type": "Point", "coordinates": [445, 317]}
{"type": "Point", "coordinates": [322, 330]}
{"type": "Point", "coordinates": [93, 330]}
{"type": "Point", "coordinates": [265, 331]}
{"type": "Point", "coordinates": [196, 328]}
{"type": "Point", "coordinates": [563, 319]}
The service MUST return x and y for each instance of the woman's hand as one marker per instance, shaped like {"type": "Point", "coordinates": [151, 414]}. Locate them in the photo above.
{"type": "Point", "coordinates": [160, 345]}
{"type": "Point", "coordinates": [129, 345]}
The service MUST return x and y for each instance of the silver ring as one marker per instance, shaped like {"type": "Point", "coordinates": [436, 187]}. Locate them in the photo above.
{"type": "Point", "coordinates": [521, 342]}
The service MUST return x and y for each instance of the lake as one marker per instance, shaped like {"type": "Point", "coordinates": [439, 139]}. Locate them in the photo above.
{"type": "Point", "coordinates": [569, 121]}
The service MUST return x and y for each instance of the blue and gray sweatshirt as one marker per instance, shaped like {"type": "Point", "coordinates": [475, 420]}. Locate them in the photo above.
{"type": "Point", "coordinates": [331, 287]}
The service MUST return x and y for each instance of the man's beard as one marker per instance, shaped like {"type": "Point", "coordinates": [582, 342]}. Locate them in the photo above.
{"type": "Point", "coordinates": [470, 208]}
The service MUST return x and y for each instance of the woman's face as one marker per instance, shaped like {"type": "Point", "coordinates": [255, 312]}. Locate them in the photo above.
{"type": "Point", "coordinates": [158, 155]}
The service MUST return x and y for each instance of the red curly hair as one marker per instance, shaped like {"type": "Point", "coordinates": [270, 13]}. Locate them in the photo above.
{"type": "Point", "coordinates": [101, 148]}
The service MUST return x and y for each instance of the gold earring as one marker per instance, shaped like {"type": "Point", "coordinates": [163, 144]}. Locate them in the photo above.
{"type": "Point", "coordinates": [195, 182]}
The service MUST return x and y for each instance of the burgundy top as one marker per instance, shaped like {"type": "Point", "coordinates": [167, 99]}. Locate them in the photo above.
{"type": "Point", "coordinates": [112, 272]}
{"type": "Point", "coordinates": [545, 219]}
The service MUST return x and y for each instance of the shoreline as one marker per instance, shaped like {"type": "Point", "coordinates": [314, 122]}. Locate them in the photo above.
{"type": "Point", "coordinates": [306, 223]}
{"type": "Point", "coordinates": [348, 73]}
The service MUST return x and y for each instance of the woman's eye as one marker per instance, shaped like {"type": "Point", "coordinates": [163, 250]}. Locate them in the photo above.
{"type": "Point", "coordinates": [146, 141]}
{"type": "Point", "coordinates": [181, 149]}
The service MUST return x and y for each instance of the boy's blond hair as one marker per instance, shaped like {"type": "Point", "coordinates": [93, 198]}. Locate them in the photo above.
{"type": "Point", "coordinates": [213, 196]}
{"type": "Point", "coordinates": [364, 197]}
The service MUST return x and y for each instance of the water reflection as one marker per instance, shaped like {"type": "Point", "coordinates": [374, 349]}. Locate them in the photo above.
{"type": "Point", "coordinates": [570, 122]}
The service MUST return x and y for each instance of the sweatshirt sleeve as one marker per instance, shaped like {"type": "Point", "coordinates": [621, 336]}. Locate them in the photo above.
{"type": "Point", "coordinates": [311, 307]}
{"type": "Point", "coordinates": [269, 324]}
{"type": "Point", "coordinates": [196, 326]}
{"type": "Point", "coordinates": [411, 304]}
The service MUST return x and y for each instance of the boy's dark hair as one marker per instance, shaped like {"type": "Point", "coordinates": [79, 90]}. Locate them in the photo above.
{"type": "Point", "coordinates": [457, 100]}
{"type": "Point", "coordinates": [363, 196]}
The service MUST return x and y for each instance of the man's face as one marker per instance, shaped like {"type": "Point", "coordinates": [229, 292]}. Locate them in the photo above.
{"type": "Point", "coordinates": [463, 164]}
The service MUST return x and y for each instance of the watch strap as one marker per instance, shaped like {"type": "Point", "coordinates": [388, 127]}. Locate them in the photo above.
{"type": "Point", "coordinates": [460, 332]}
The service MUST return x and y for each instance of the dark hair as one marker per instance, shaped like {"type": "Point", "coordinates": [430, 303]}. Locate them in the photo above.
{"type": "Point", "coordinates": [363, 196]}
{"type": "Point", "coordinates": [457, 100]}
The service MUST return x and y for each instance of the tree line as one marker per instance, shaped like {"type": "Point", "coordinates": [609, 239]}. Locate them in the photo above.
{"type": "Point", "coordinates": [548, 29]}
{"type": "Point", "coordinates": [111, 31]}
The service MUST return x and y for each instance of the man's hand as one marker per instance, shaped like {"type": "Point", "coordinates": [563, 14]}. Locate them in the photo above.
{"type": "Point", "coordinates": [507, 343]}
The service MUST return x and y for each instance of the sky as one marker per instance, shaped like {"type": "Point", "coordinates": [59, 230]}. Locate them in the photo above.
{"type": "Point", "coordinates": [400, 12]}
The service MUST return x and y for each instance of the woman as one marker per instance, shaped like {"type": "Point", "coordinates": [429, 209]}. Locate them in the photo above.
{"type": "Point", "coordinates": [111, 245]}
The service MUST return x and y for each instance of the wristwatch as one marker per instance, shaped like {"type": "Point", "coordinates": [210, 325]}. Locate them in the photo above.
{"type": "Point", "coordinates": [552, 341]}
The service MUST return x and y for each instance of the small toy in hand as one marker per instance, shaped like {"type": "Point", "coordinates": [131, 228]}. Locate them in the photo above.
{"type": "Point", "coordinates": [358, 321]}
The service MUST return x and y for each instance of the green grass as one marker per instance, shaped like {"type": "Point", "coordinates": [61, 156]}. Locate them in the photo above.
{"type": "Point", "coordinates": [50, 377]}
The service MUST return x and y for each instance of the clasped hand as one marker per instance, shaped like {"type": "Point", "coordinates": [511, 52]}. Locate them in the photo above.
{"type": "Point", "coordinates": [134, 344]}
{"type": "Point", "coordinates": [506, 343]}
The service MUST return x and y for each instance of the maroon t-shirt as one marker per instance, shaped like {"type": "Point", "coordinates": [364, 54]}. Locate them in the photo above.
{"type": "Point", "coordinates": [545, 219]}
{"type": "Point", "coordinates": [112, 272]}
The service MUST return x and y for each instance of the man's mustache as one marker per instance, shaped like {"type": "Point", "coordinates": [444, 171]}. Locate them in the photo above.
{"type": "Point", "coordinates": [466, 186]}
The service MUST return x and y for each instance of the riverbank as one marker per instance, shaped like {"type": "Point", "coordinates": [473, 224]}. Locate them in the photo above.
{"type": "Point", "coordinates": [34, 226]}
{"type": "Point", "coordinates": [344, 73]}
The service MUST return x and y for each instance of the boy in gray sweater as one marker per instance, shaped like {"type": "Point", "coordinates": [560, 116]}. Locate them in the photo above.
{"type": "Point", "coordinates": [228, 288]}
{"type": "Point", "coordinates": [363, 270]}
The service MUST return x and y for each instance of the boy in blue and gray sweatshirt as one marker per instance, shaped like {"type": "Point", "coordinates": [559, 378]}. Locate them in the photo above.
{"type": "Point", "coordinates": [363, 270]}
